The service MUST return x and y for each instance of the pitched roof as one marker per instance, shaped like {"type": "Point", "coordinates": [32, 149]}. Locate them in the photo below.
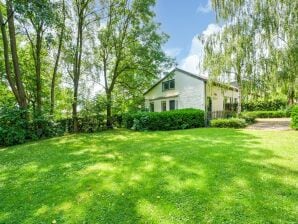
{"type": "Point", "coordinates": [179, 70]}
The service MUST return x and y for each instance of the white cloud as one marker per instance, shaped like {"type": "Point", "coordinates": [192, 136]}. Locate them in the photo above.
{"type": "Point", "coordinates": [196, 53]}
{"type": "Point", "coordinates": [173, 52]}
{"type": "Point", "coordinates": [211, 29]}
{"type": "Point", "coordinates": [205, 8]}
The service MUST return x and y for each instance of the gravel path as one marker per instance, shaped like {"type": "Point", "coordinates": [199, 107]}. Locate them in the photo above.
{"type": "Point", "coordinates": [280, 124]}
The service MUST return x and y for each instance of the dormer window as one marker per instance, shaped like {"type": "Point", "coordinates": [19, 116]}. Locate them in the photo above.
{"type": "Point", "coordinates": [168, 85]}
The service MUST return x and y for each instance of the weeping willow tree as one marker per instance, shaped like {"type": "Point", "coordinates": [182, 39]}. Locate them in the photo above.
{"type": "Point", "coordinates": [229, 56]}
{"type": "Point", "coordinates": [257, 47]}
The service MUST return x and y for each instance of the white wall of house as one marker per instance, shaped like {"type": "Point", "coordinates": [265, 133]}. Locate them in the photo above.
{"type": "Point", "coordinates": [188, 93]}
{"type": "Point", "coordinates": [218, 95]}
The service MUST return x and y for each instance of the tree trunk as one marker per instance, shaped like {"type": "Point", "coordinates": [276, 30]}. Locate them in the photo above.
{"type": "Point", "coordinates": [53, 84]}
{"type": "Point", "coordinates": [77, 71]}
{"type": "Point", "coordinates": [238, 78]}
{"type": "Point", "coordinates": [6, 60]}
{"type": "Point", "coordinates": [38, 70]}
{"type": "Point", "coordinates": [109, 111]}
{"type": "Point", "coordinates": [291, 95]}
{"type": "Point", "coordinates": [12, 36]}
{"type": "Point", "coordinates": [74, 108]}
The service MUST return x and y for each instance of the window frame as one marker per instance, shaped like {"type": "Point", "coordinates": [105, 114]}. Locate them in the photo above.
{"type": "Point", "coordinates": [168, 83]}
{"type": "Point", "coordinates": [170, 108]}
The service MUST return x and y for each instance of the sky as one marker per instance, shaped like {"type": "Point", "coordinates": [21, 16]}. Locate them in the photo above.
{"type": "Point", "coordinates": [184, 21]}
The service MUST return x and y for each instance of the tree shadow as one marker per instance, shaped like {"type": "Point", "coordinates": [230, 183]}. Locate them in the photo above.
{"type": "Point", "coordinates": [191, 176]}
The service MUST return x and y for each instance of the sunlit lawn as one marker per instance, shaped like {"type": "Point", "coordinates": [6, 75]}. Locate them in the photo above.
{"type": "Point", "coordinates": [190, 176]}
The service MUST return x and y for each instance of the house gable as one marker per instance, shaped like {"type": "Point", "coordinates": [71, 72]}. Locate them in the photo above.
{"type": "Point", "coordinates": [172, 73]}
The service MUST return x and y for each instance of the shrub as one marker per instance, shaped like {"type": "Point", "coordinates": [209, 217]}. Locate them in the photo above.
{"type": "Point", "coordinates": [249, 118]}
{"type": "Point", "coordinates": [167, 120]}
{"type": "Point", "coordinates": [264, 105]}
{"type": "Point", "coordinates": [228, 123]}
{"type": "Point", "coordinates": [266, 114]}
{"type": "Point", "coordinates": [13, 126]}
{"type": "Point", "coordinates": [85, 124]}
{"type": "Point", "coordinates": [294, 116]}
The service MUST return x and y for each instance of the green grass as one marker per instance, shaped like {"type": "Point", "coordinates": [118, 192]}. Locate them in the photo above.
{"type": "Point", "coordinates": [189, 176]}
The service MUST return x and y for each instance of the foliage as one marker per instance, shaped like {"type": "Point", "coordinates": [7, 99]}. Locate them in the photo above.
{"type": "Point", "coordinates": [88, 124]}
{"type": "Point", "coordinates": [266, 114]}
{"type": "Point", "coordinates": [294, 116]}
{"type": "Point", "coordinates": [130, 51]}
{"type": "Point", "coordinates": [16, 129]}
{"type": "Point", "coordinates": [228, 123]}
{"type": "Point", "coordinates": [13, 126]}
{"type": "Point", "coordinates": [168, 175]}
{"type": "Point", "coordinates": [263, 105]}
{"type": "Point", "coordinates": [256, 46]}
{"type": "Point", "coordinates": [167, 120]}
{"type": "Point", "coordinates": [248, 117]}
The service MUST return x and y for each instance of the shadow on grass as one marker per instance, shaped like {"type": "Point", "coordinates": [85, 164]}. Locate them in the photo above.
{"type": "Point", "coordinates": [191, 176]}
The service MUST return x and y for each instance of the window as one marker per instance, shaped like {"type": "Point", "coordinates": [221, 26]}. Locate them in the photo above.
{"type": "Point", "coordinates": [168, 85]}
{"type": "Point", "coordinates": [151, 106]}
{"type": "Point", "coordinates": [172, 104]}
{"type": "Point", "coordinates": [163, 105]}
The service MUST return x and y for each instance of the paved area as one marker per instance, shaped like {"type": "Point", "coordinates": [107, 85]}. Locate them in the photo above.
{"type": "Point", "coordinates": [280, 124]}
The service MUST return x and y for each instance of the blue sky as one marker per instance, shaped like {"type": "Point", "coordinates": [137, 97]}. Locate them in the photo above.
{"type": "Point", "coordinates": [184, 20]}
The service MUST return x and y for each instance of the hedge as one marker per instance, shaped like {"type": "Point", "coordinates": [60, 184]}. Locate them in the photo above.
{"type": "Point", "coordinates": [294, 116]}
{"type": "Point", "coordinates": [249, 118]}
{"type": "Point", "coordinates": [167, 120]}
{"type": "Point", "coordinates": [228, 123]}
{"type": "Point", "coordinates": [264, 105]}
{"type": "Point", "coordinates": [15, 129]}
{"type": "Point", "coordinates": [266, 114]}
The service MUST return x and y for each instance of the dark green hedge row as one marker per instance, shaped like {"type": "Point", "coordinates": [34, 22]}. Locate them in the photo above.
{"type": "Point", "coordinates": [294, 117]}
{"type": "Point", "coordinates": [267, 114]}
{"type": "Point", "coordinates": [228, 123]}
{"type": "Point", "coordinates": [168, 120]}
{"type": "Point", "coordinates": [269, 105]}
{"type": "Point", "coordinates": [15, 129]}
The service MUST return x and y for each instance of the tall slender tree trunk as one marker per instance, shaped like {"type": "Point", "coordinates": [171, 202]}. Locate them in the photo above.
{"type": "Point", "coordinates": [6, 60]}
{"type": "Point", "coordinates": [74, 108]}
{"type": "Point", "coordinates": [239, 81]}
{"type": "Point", "coordinates": [38, 71]}
{"type": "Point", "coordinates": [54, 76]}
{"type": "Point", "coordinates": [109, 110]}
{"type": "Point", "coordinates": [77, 72]}
{"type": "Point", "coordinates": [13, 47]}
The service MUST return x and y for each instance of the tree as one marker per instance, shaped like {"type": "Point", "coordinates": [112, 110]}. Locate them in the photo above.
{"type": "Point", "coordinates": [228, 56]}
{"type": "Point", "coordinates": [55, 70]}
{"type": "Point", "coordinates": [36, 16]}
{"type": "Point", "coordinates": [15, 81]}
{"type": "Point", "coordinates": [272, 27]}
{"type": "Point", "coordinates": [83, 9]}
{"type": "Point", "coordinates": [130, 46]}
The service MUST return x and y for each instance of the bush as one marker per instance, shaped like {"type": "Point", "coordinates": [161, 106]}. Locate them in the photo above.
{"type": "Point", "coordinates": [294, 116]}
{"type": "Point", "coordinates": [85, 124]}
{"type": "Point", "coordinates": [264, 105]}
{"type": "Point", "coordinates": [248, 117]}
{"type": "Point", "coordinates": [168, 120]}
{"type": "Point", "coordinates": [228, 123]}
{"type": "Point", "coordinates": [13, 126]}
{"type": "Point", "coordinates": [266, 114]}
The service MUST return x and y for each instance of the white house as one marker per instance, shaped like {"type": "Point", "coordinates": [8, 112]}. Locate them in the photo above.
{"type": "Point", "coordinates": [180, 89]}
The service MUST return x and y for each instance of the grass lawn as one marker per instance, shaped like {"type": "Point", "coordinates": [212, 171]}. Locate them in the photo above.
{"type": "Point", "coordinates": [189, 176]}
